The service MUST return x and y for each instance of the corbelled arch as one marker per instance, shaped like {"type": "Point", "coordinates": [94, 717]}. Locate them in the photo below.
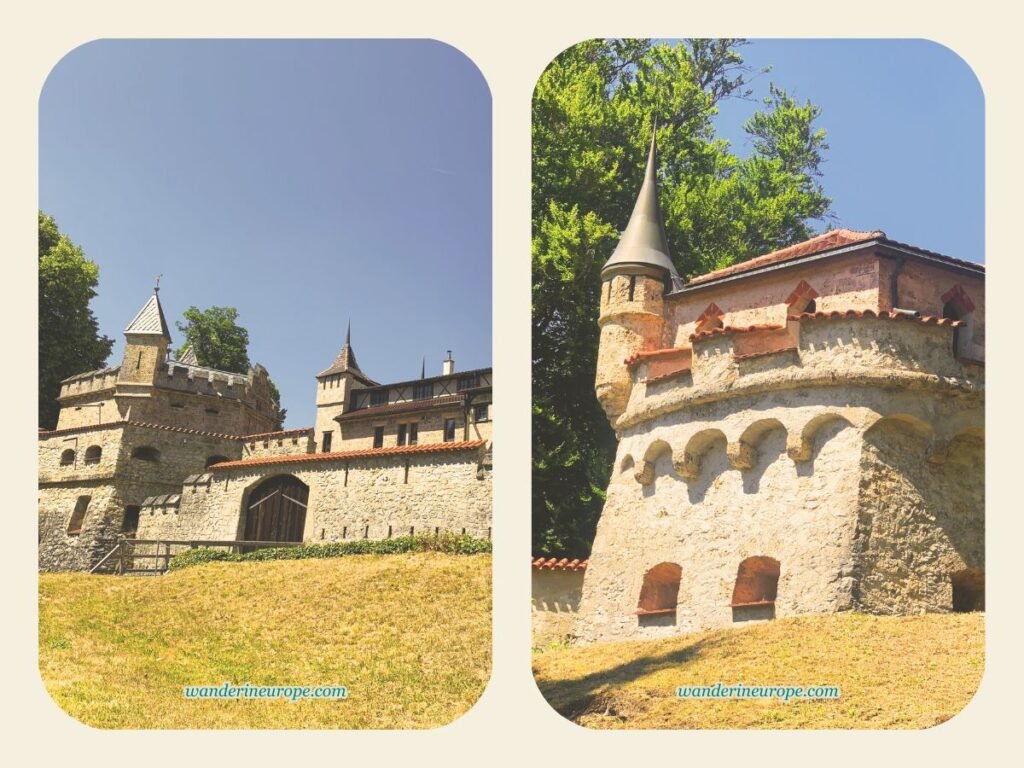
{"type": "Point", "coordinates": [743, 453]}
{"type": "Point", "coordinates": [688, 464]}
{"type": "Point", "coordinates": [800, 444]}
{"type": "Point", "coordinates": [645, 467]}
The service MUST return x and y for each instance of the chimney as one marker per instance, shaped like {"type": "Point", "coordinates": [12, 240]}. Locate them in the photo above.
{"type": "Point", "coordinates": [448, 365]}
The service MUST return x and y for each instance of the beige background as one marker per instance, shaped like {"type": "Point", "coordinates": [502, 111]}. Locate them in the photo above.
{"type": "Point", "coordinates": [511, 44]}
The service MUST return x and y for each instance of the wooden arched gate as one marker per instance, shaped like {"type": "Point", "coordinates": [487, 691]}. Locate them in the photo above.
{"type": "Point", "coordinates": [276, 510]}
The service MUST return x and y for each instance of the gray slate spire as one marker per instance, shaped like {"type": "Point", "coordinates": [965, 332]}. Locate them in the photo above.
{"type": "Point", "coordinates": [643, 247]}
{"type": "Point", "coordinates": [345, 362]}
{"type": "Point", "coordinates": [150, 319]}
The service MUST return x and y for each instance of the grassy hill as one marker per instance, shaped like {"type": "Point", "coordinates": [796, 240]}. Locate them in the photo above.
{"type": "Point", "coordinates": [893, 672]}
{"type": "Point", "coordinates": [408, 635]}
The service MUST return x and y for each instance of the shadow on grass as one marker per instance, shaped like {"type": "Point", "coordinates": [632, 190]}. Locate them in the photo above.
{"type": "Point", "coordinates": [573, 698]}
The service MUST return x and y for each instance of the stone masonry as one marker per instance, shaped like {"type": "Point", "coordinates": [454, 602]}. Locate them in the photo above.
{"type": "Point", "coordinates": [801, 433]}
{"type": "Point", "coordinates": [164, 449]}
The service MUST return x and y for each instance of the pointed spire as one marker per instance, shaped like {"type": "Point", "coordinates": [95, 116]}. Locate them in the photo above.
{"type": "Point", "coordinates": [643, 247]}
{"type": "Point", "coordinates": [423, 368]}
{"type": "Point", "coordinates": [150, 319]}
{"type": "Point", "coordinates": [345, 362]}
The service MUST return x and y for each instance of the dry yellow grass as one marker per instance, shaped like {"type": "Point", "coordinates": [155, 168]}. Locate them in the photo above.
{"type": "Point", "coordinates": [408, 635]}
{"type": "Point", "coordinates": [893, 672]}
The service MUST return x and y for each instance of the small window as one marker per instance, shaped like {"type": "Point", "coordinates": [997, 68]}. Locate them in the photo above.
{"type": "Point", "coordinates": [378, 437]}
{"type": "Point", "coordinates": [481, 412]}
{"type": "Point", "coordinates": [146, 453]}
{"type": "Point", "coordinates": [177, 405]}
{"type": "Point", "coordinates": [402, 432]}
{"type": "Point", "coordinates": [468, 382]}
{"type": "Point", "coordinates": [214, 411]}
{"type": "Point", "coordinates": [78, 516]}
{"type": "Point", "coordinates": [950, 311]}
{"type": "Point", "coordinates": [423, 391]}
{"type": "Point", "coordinates": [215, 459]}
{"type": "Point", "coordinates": [92, 454]}
{"type": "Point", "coordinates": [632, 287]}
{"type": "Point", "coordinates": [660, 591]}
{"type": "Point", "coordinates": [130, 523]}
{"type": "Point", "coordinates": [67, 457]}
{"type": "Point", "coordinates": [414, 433]}
{"type": "Point", "coordinates": [449, 430]}
{"type": "Point", "coordinates": [325, 442]}
{"type": "Point", "coordinates": [379, 397]}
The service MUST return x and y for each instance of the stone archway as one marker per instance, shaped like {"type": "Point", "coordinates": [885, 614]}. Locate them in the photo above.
{"type": "Point", "coordinates": [275, 510]}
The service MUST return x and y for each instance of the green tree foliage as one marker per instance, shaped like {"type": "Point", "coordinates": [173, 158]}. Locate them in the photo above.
{"type": "Point", "coordinates": [220, 342]}
{"type": "Point", "coordinates": [593, 112]}
{"type": "Point", "coordinates": [69, 338]}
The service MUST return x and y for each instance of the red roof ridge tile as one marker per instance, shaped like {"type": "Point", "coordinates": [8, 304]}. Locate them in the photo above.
{"type": "Point", "coordinates": [735, 329]}
{"type": "Point", "coordinates": [394, 450]}
{"type": "Point", "coordinates": [842, 314]}
{"type": "Point", "coordinates": [558, 564]}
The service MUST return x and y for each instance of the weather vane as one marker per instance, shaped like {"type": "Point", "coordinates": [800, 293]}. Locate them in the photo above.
{"type": "Point", "coordinates": [156, 288]}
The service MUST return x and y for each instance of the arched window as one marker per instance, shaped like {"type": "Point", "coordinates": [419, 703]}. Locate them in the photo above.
{"type": "Point", "coordinates": [67, 457]}
{"type": "Point", "coordinates": [950, 311]}
{"type": "Point", "coordinates": [757, 582]}
{"type": "Point", "coordinates": [78, 516]}
{"type": "Point", "coordinates": [968, 590]}
{"type": "Point", "coordinates": [660, 591]}
{"type": "Point", "coordinates": [215, 459]}
{"type": "Point", "coordinates": [146, 453]}
{"type": "Point", "coordinates": [92, 454]}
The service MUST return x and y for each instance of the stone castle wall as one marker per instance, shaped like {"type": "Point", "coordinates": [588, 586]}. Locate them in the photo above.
{"type": "Point", "coordinates": [118, 480]}
{"type": "Point", "coordinates": [848, 449]}
{"type": "Point", "coordinates": [348, 499]}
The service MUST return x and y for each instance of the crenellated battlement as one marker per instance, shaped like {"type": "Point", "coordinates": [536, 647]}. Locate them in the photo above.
{"type": "Point", "coordinates": [821, 351]}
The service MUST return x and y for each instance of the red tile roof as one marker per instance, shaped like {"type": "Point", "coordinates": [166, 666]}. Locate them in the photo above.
{"type": "Point", "coordinates": [735, 329]}
{"type": "Point", "coordinates": [554, 564]}
{"type": "Point", "coordinates": [395, 450]}
{"type": "Point", "coordinates": [862, 313]}
{"type": "Point", "coordinates": [837, 238]}
{"type": "Point", "coordinates": [411, 405]}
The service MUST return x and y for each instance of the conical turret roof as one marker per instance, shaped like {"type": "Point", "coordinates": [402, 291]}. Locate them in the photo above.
{"type": "Point", "coordinates": [643, 247]}
{"type": "Point", "coordinates": [345, 362]}
{"type": "Point", "coordinates": [150, 319]}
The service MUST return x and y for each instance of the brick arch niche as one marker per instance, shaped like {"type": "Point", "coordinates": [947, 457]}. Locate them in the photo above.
{"type": "Point", "coordinates": [660, 592]}
{"type": "Point", "coordinates": [755, 590]}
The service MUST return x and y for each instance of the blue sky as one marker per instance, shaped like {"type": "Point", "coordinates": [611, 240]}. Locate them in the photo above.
{"type": "Point", "coordinates": [302, 182]}
{"type": "Point", "coordinates": [905, 123]}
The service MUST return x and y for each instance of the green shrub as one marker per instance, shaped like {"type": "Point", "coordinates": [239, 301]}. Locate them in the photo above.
{"type": "Point", "coordinates": [446, 542]}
